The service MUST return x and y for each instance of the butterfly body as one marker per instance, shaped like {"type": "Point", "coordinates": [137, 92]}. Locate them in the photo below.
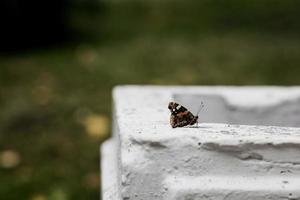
{"type": "Point", "coordinates": [180, 116]}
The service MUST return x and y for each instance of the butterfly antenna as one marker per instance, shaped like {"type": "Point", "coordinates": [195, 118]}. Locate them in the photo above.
{"type": "Point", "coordinates": [200, 108]}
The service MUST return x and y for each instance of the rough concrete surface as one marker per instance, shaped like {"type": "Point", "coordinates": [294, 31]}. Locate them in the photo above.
{"type": "Point", "coordinates": [218, 159]}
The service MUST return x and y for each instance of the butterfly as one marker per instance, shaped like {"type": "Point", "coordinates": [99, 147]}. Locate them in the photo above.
{"type": "Point", "coordinates": [180, 116]}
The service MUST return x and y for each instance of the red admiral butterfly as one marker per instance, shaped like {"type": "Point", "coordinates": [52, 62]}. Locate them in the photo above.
{"type": "Point", "coordinates": [180, 116]}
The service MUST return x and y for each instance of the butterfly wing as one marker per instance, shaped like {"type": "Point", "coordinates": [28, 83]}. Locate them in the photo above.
{"type": "Point", "coordinates": [180, 116]}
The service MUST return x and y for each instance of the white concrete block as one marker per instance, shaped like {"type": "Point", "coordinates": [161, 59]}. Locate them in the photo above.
{"type": "Point", "coordinates": [230, 155]}
{"type": "Point", "coordinates": [109, 170]}
{"type": "Point", "coordinates": [233, 187]}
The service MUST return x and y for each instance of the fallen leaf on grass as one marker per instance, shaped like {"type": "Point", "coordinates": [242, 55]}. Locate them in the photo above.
{"type": "Point", "coordinates": [9, 159]}
{"type": "Point", "coordinates": [97, 126]}
{"type": "Point", "coordinates": [39, 197]}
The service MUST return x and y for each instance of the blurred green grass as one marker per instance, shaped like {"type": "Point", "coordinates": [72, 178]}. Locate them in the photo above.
{"type": "Point", "coordinates": [46, 95]}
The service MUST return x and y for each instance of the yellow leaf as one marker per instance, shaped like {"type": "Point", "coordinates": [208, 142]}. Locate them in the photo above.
{"type": "Point", "coordinates": [9, 159]}
{"type": "Point", "coordinates": [39, 197]}
{"type": "Point", "coordinates": [97, 126]}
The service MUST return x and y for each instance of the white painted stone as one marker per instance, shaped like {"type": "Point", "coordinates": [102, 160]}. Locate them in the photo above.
{"type": "Point", "coordinates": [146, 159]}
{"type": "Point", "coordinates": [109, 171]}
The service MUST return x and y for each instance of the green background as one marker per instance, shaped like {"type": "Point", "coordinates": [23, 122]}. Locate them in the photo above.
{"type": "Point", "coordinates": [46, 95]}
